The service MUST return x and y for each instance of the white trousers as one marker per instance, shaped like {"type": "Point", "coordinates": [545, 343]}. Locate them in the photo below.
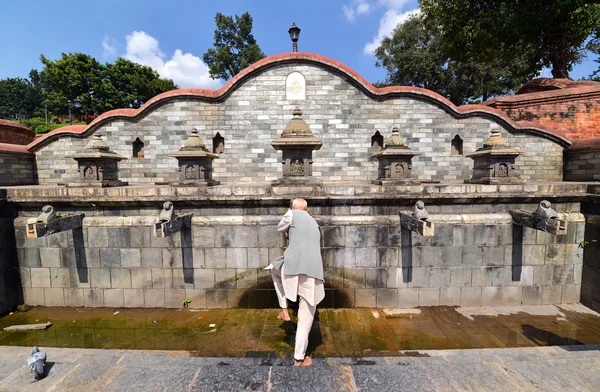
{"type": "Point", "coordinates": [306, 314]}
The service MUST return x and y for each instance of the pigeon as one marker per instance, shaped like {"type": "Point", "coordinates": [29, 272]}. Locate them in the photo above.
{"type": "Point", "coordinates": [36, 362]}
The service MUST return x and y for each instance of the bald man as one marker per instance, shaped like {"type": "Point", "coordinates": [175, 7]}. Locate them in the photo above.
{"type": "Point", "coordinates": [298, 274]}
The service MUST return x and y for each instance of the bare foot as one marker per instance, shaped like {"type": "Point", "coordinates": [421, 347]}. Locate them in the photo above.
{"type": "Point", "coordinates": [284, 315]}
{"type": "Point", "coordinates": [306, 362]}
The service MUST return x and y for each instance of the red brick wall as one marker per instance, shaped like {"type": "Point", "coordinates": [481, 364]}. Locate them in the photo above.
{"type": "Point", "coordinates": [15, 133]}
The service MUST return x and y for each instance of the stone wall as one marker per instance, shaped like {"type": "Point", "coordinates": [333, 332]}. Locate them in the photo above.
{"type": "Point", "coordinates": [582, 161]}
{"type": "Point", "coordinates": [477, 257]}
{"type": "Point", "coordinates": [17, 169]}
{"type": "Point", "coordinates": [339, 113]}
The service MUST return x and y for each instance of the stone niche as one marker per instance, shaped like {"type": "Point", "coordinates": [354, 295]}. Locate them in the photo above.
{"type": "Point", "coordinates": [97, 165]}
{"type": "Point", "coordinates": [195, 163]}
{"type": "Point", "coordinates": [297, 144]}
{"type": "Point", "coordinates": [395, 162]}
{"type": "Point", "coordinates": [494, 163]}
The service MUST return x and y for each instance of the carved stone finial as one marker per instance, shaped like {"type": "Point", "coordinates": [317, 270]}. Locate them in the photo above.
{"type": "Point", "coordinates": [395, 139]}
{"type": "Point", "coordinates": [47, 214]}
{"type": "Point", "coordinates": [420, 212]}
{"type": "Point", "coordinates": [546, 211]}
{"type": "Point", "coordinates": [495, 139]}
{"type": "Point", "coordinates": [167, 213]}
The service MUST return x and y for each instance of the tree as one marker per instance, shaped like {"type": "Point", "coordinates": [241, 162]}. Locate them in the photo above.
{"type": "Point", "coordinates": [414, 56]}
{"type": "Point", "coordinates": [554, 32]}
{"type": "Point", "coordinates": [18, 98]}
{"type": "Point", "coordinates": [234, 47]}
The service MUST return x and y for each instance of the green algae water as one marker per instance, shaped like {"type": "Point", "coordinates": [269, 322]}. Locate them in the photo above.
{"type": "Point", "coordinates": [254, 332]}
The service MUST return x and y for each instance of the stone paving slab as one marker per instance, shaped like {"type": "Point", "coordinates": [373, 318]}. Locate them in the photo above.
{"type": "Point", "coordinates": [559, 368]}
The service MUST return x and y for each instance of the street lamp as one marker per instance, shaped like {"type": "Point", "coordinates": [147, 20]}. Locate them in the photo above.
{"type": "Point", "coordinates": [70, 117]}
{"type": "Point", "coordinates": [294, 32]}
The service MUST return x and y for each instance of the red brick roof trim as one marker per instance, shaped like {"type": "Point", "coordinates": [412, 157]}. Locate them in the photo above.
{"type": "Point", "coordinates": [14, 149]}
{"type": "Point", "coordinates": [295, 58]}
{"type": "Point", "coordinates": [585, 145]}
{"type": "Point", "coordinates": [544, 97]}
{"type": "Point", "coordinates": [13, 124]}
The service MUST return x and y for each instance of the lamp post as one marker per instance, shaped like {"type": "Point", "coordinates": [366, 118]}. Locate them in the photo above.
{"type": "Point", "coordinates": [70, 117]}
{"type": "Point", "coordinates": [294, 32]}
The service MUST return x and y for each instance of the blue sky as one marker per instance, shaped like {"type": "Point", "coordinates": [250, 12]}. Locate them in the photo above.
{"type": "Point", "coordinates": [171, 36]}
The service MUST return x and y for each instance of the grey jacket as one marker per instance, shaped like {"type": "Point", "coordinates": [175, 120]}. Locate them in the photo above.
{"type": "Point", "coordinates": [303, 255]}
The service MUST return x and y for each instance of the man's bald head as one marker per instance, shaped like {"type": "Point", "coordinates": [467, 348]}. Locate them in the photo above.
{"type": "Point", "coordinates": [299, 204]}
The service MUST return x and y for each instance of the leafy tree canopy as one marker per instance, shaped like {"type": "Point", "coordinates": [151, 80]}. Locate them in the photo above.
{"type": "Point", "coordinates": [234, 47]}
{"type": "Point", "coordinates": [19, 98]}
{"type": "Point", "coordinates": [415, 56]}
{"type": "Point", "coordinates": [553, 32]}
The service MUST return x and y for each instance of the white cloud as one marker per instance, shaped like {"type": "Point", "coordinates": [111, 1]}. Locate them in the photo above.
{"type": "Point", "coordinates": [387, 24]}
{"type": "Point", "coordinates": [359, 7]}
{"type": "Point", "coordinates": [185, 69]}
{"type": "Point", "coordinates": [393, 4]}
{"type": "Point", "coordinates": [109, 46]}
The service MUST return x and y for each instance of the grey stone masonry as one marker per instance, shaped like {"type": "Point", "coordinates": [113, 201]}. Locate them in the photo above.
{"type": "Point", "coordinates": [337, 112]}
{"type": "Point", "coordinates": [477, 257]}
{"type": "Point", "coordinates": [17, 169]}
{"type": "Point", "coordinates": [582, 165]}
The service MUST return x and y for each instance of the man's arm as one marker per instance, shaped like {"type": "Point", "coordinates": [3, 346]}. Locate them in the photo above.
{"type": "Point", "coordinates": [285, 222]}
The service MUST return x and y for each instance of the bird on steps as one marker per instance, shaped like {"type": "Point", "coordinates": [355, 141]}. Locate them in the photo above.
{"type": "Point", "coordinates": [36, 362]}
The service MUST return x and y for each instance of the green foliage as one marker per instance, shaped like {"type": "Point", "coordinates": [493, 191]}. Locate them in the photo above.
{"type": "Point", "coordinates": [549, 33]}
{"type": "Point", "coordinates": [234, 47]}
{"type": "Point", "coordinates": [415, 55]}
{"type": "Point", "coordinates": [18, 98]}
{"type": "Point", "coordinates": [186, 301]}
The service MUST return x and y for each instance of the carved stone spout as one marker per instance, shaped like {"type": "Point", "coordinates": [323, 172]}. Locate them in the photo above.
{"type": "Point", "coordinates": [544, 219]}
{"type": "Point", "coordinates": [48, 222]}
{"type": "Point", "coordinates": [418, 221]}
{"type": "Point", "coordinates": [168, 223]}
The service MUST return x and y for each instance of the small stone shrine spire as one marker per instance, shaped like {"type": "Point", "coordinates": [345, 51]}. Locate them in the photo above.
{"type": "Point", "coordinates": [395, 161]}
{"type": "Point", "coordinates": [97, 165]}
{"type": "Point", "coordinates": [195, 163]}
{"type": "Point", "coordinates": [494, 163]}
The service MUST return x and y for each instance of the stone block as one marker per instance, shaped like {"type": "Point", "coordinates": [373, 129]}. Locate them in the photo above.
{"type": "Point", "coordinates": [236, 258]}
{"type": "Point", "coordinates": [204, 237]}
{"type": "Point", "coordinates": [470, 296]}
{"type": "Point", "coordinates": [54, 296]}
{"type": "Point", "coordinates": [174, 298]}
{"type": "Point", "coordinates": [133, 298]}
{"type": "Point", "coordinates": [113, 298]}
{"type": "Point", "coordinates": [268, 237]}
{"type": "Point", "coordinates": [50, 257]}
{"type": "Point", "coordinates": [493, 255]}
{"type": "Point", "coordinates": [59, 240]}
{"type": "Point", "coordinates": [532, 295]}
{"type": "Point", "coordinates": [246, 237]}
{"type": "Point", "coordinates": [140, 237]}
{"type": "Point", "coordinates": [451, 256]}
{"type": "Point", "coordinates": [543, 275]}
{"type": "Point", "coordinates": [563, 274]}
{"type": "Point", "coordinates": [460, 277]}
{"type": "Point", "coordinates": [161, 278]}
{"type": "Point", "coordinates": [25, 275]}
{"type": "Point", "coordinates": [34, 296]}
{"type": "Point", "coordinates": [29, 257]}
{"type": "Point", "coordinates": [416, 277]}
{"type": "Point", "coordinates": [439, 277]}
{"type": "Point", "coordinates": [246, 278]}
{"type": "Point", "coordinates": [555, 254]}
{"type": "Point", "coordinates": [527, 275]}
{"type": "Point", "coordinates": [141, 278]}
{"type": "Point", "coordinates": [574, 253]}
{"type": "Point", "coordinates": [449, 296]}
{"type": "Point", "coordinates": [40, 277]}
{"type": "Point", "coordinates": [429, 296]}
{"type": "Point", "coordinates": [151, 258]}
{"type": "Point", "coordinates": [356, 278]}
{"type": "Point", "coordinates": [577, 272]}
{"type": "Point", "coordinates": [444, 236]}
{"type": "Point", "coordinates": [118, 237]}
{"type": "Point", "coordinates": [489, 235]}
{"type": "Point", "coordinates": [376, 278]}
{"type": "Point", "coordinates": [172, 241]}
{"type": "Point", "coordinates": [344, 257]}
{"type": "Point", "coordinates": [154, 298]}
{"type": "Point", "coordinates": [482, 276]}
{"type": "Point", "coordinates": [426, 256]}
{"type": "Point", "coordinates": [258, 257]}
{"type": "Point", "coordinates": [99, 278]}
{"type": "Point", "coordinates": [237, 298]}
{"type": "Point", "coordinates": [120, 279]}
{"type": "Point", "coordinates": [571, 294]}
{"type": "Point", "coordinates": [365, 298]}
{"type": "Point", "coordinates": [225, 237]}
{"type": "Point", "coordinates": [68, 258]}
{"type": "Point", "coordinates": [204, 278]}
{"type": "Point", "coordinates": [172, 258]}
{"type": "Point", "coordinates": [387, 298]}
{"type": "Point", "coordinates": [215, 257]}
{"type": "Point", "coordinates": [491, 296]}
{"type": "Point", "coordinates": [408, 297]}
{"type": "Point", "coordinates": [529, 236]}
{"type": "Point", "coordinates": [216, 299]}
{"type": "Point", "coordinates": [60, 277]}
{"type": "Point", "coordinates": [93, 298]}
{"type": "Point", "coordinates": [394, 236]}
{"type": "Point", "coordinates": [387, 257]}
{"type": "Point", "coordinates": [502, 276]}
{"type": "Point", "coordinates": [74, 297]}
{"type": "Point", "coordinates": [366, 257]}
{"type": "Point", "coordinates": [333, 236]}
{"type": "Point", "coordinates": [225, 278]}
{"type": "Point", "coordinates": [472, 256]}
{"type": "Point", "coordinates": [463, 235]}
{"type": "Point", "coordinates": [356, 237]}
{"type": "Point", "coordinates": [131, 258]}
{"type": "Point", "coordinates": [198, 298]}
{"type": "Point", "coordinates": [512, 296]}
{"type": "Point", "coordinates": [97, 237]}
{"type": "Point", "coordinates": [274, 253]}
{"type": "Point", "coordinates": [551, 295]}
{"type": "Point", "coordinates": [534, 254]}
{"type": "Point", "coordinates": [92, 258]}
{"type": "Point", "coordinates": [110, 258]}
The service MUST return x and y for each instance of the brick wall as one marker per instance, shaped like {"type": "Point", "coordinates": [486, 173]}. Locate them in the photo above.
{"type": "Point", "coordinates": [17, 169]}
{"type": "Point", "coordinates": [15, 133]}
{"type": "Point", "coordinates": [340, 114]}
{"type": "Point", "coordinates": [475, 258]}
